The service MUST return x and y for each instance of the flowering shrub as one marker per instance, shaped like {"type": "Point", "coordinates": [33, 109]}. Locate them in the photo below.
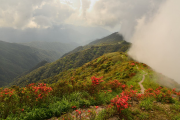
{"type": "Point", "coordinates": [132, 64]}
{"type": "Point", "coordinates": [15, 100]}
{"type": "Point", "coordinates": [131, 93]}
{"type": "Point", "coordinates": [40, 91]}
{"type": "Point", "coordinates": [96, 81]}
{"type": "Point", "coordinates": [121, 101]}
{"type": "Point", "coordinates": [8, 102]}
{"type": "Point", "coordinates": [78, 114]}
{"type": "Point", "coordinates": [96, 91]}
{"type": "Point", "coordinates": [96, 84]}
{"type": "Point", "coordinates": [114, 84]}
{"type": "Point", "coordinates": [160, 94]}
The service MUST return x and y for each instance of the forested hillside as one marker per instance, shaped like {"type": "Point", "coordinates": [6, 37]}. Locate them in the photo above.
{"type": "Point", "coordinates": [16, 59]}
{"type": "Point", "coordinates": [73, 60]}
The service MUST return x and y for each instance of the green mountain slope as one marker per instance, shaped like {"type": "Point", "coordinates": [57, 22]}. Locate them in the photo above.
{"type": "Point", "coordinates": [60, 48]}
{"type": "Point", "coordinates": [113, 39]}
{"type": "Point", "coordinates": [84, 91]}
{"type": "Point", "coordinates": [72, 60]}
{"type": "Point", "coordinates": [16, 59]}
{"type": "Point", "coordinates": [115, 65]}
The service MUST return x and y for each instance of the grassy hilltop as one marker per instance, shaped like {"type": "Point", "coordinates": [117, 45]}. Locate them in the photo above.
{"type": "Point", "coordinates": [77, 89]}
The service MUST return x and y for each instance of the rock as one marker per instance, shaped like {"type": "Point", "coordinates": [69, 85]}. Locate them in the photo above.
{"type": "Point", "coordinates": [143, 108]}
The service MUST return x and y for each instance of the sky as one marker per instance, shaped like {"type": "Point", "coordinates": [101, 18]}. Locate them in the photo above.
{"type": "Point", "coordinates": [22, 17]}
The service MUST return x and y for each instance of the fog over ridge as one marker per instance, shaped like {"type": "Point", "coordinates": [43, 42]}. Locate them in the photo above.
{"type": "Point", "coordinates": [156, 42]}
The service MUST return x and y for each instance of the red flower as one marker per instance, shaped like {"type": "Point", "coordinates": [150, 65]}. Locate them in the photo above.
{"type": "Point", "coordinates": [132, 64]}
{"type": "Point", "coordinates": [78, 111]}
{"type": "Point", "coordinates": [73, 106]}
{"type": "Point", "coordinates": [97, 107]}
{"type": "Point", "coordinates": [22, 109]}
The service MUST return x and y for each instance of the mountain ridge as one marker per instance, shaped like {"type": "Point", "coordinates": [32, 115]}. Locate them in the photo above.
{"type": "Point", "coordinates": [74, 59]}
{"type": "Point", "coordinates": [16, 59]}
{"type": "Point", "coordinates": [112, 39]}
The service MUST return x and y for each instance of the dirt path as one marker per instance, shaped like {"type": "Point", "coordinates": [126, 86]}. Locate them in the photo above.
{"type": "Point", "coordinates": [140, 83]}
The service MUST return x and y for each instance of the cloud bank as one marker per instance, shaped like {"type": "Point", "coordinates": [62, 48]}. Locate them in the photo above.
{"type": "Point", "coordinates": [46, 13]}
{"type": "Point", "coordinates": [114, 15]}
{"type": "Point", "coordinates": [33, 13]}
{"type": "Point", "coordinates": [156, 40]}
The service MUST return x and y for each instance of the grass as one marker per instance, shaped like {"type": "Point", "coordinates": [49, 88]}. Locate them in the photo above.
{"type": "Point", "coordinates": [135, 80]}
{"type": "Point", "coordinates": [176, 106]}
{"type": "Point", "coordinates": [147, 104]}
{"type": "Point", "coordinates": [176, 117]}
{"type": "Point", "coordinates": [64, 105]}
{"type": "Point", "coordinates": [143, 116]}
{"type": "Point", "coordinates": [150, 81]}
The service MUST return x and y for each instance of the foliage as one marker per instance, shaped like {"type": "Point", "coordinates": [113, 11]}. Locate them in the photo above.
{"type": "Point", "coordinates": [120, 102]}
{"type": "Point", "coordinates": [150, 81]}
{"type": "Point", "coordinates": [176, 106]}
{"type": "Point", "coordinates": [16, 59]}
{"type": "Point", "coordinates": [147, 103]}
{"type": "Point", "coordinates": [143, 116]}
{"type": "Point", "coordinates": [71, 60]}
{"type": "Point", "coordinates": [108, 112]}
{"type": "Point", "coordinates": [160, 94]}
{"type": "Point", "coordinates": [15, 100]}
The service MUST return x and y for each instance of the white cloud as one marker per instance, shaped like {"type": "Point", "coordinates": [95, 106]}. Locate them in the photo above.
{"type": "Point", "coordinates": [111, 13]}
{"type": "Point", "coordinates": [156, 41]}
{"type": "Point", "coordinates": [18, 14]}
{"type": "Point", "coordinates": [104, 13]}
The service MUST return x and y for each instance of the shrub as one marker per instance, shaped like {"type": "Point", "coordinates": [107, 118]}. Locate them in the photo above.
{"type": "Point", "coordinates": [147, 103]}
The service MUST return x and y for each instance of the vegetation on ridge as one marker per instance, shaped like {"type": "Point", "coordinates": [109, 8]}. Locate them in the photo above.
{"type": "Point", "coordinates": [70, 61]}
{"type": "Point", "coordinates": [78, 89]}
{"type": "Point", "coordinates": [112, 40]}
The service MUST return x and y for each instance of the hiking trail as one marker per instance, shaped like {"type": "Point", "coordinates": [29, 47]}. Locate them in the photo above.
{"type": "Point", "coordinates": [140, 83]}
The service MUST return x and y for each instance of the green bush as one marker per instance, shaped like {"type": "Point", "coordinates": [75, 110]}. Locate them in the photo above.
{"type": "Point", "coordinates": [147, 103]}
{"type": "Point", "coordinates": [106, 113]}
{"type": "Point", "coordinates": [176, 106]}
{"type": "Point", "coordinates": [143, 116]}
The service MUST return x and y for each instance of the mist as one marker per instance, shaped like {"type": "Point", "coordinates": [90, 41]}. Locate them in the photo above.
{"type": "Point", "coordinates": [156, 40]}
{"type": "Point", "coordinates": [60, 33]}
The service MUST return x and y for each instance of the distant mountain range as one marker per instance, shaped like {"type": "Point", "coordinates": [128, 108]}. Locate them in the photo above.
{"type": "Point", "coordinates": [76, 58]}
{"type": "Point", "coordinates": [60, 33]}
{"type": "Point", "coordinates": [16, 59]}
{"type": "Point", "coordinates": [58, 47]}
